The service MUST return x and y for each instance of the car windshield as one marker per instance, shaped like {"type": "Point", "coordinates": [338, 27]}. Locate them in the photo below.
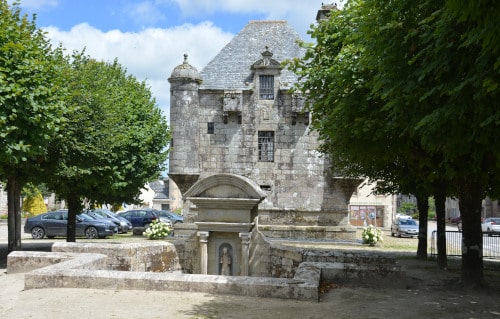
{"type": "Point", "coordinates": [409, 222]}
{"type": "Point", "coordinates": [100, 213]}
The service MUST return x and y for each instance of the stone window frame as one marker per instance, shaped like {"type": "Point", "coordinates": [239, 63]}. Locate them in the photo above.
{"type": "Point", "coordinates": [266, 146]}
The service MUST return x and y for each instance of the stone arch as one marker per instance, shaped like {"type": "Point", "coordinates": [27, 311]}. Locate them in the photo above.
{"type": "Point", "coordinates": [225, 186]}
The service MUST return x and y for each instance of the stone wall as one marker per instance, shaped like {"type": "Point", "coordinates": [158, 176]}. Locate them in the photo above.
{"type": "Point", "coordinates": [259, 260]}
{"type": "Point", "coordinates": [188, 253]}
{"type": "Point", "coordinates": [151, 257]}
{"type": "Point", "coordinates": [338, 264]}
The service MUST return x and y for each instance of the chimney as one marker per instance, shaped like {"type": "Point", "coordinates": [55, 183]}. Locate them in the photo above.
{"type": "Point", "coordinates": [325, 10]}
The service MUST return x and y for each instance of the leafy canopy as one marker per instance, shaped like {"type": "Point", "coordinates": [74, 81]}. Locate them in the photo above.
{"type": "Point", "coordinates": [31, 91]}
{"type": "Point", "coordinates": [115, 139]}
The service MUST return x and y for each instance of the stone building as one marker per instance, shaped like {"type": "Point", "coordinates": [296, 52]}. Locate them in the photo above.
{"type": "Point", "coordinates": [243, 154]}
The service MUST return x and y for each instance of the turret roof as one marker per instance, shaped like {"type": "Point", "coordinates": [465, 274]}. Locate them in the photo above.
{"type": "Point", "coordinates": [185, 71]}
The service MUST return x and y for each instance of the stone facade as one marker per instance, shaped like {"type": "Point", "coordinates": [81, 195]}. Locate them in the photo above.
{"type": "Point", "coordinates": [239, 116]}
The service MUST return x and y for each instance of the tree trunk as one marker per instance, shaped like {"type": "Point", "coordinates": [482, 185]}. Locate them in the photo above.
{"type": "Point", "coordinates": [423, 214]}
{"type": "Point", "coordinates": [470, 200]}
{"type": "Point", "coordinates": [14, 214]}
{"type": "Point", "coordinates": [440, 200]}
{"type": "Point", "coordinates": [74, 207]}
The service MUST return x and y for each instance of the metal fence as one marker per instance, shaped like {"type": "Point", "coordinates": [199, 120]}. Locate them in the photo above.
{"type": "Point", "coordinates": [491, 244]}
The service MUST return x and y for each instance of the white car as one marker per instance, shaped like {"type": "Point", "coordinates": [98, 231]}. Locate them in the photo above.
{"type": "Point", "coordinates": [491, 226]}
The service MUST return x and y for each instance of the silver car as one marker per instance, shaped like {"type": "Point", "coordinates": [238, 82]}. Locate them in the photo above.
{"type": "Point", "coordinates": [404, 227]}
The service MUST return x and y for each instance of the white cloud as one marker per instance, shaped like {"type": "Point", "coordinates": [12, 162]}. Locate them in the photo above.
{"type": "Point", "coordinates": [149, 55]}
{"type": "Point", "coordinates": [299, 13]}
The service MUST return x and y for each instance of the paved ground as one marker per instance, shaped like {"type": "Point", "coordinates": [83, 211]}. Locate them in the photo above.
{"type": "Point", "coordinates": [428, 293]}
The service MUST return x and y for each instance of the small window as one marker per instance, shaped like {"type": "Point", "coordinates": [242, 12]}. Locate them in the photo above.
{"type": "Point", "coordinates": [266, 88]}
{"type": "Point", "coordinates": [210, 128]}
{"type": "Point", "coordinates": [266, 146]}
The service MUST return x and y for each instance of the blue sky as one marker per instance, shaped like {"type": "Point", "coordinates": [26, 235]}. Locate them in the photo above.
{"type": "Point", "coordinates": [149, 37]}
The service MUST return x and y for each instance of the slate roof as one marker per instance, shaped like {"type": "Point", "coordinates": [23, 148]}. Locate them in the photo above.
{"type": "Point", "coordinates": [160, 189]}
{"type": "Point", "coordinates": [230, 68]}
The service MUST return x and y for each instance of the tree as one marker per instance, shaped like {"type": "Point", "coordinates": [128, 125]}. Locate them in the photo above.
{"type": "Point", "coordinates": [400, 84]}
{"type": "Point", "coordinates": [350, 118]}
{"type": "Point", "coordinates": [31, 105]}
{"type": "Point", "coordinates": [114, 141]}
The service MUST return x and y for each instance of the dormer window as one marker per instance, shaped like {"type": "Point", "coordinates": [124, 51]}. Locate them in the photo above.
{"type": "Point", "coordinates": [266, 87]}
{"type": "Point", "coordinates": [267, 69]}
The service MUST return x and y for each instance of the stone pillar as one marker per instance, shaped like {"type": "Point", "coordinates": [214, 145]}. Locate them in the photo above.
{"type": "Point", "coordinates": [245, 241]}
{"type": "Point", "coordinates": [203, 251]}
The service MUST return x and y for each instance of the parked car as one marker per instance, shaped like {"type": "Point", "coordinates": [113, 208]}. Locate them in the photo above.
{"type": "Point", "coordinates": [55, 223]}
{"type": "Point", "coordinates": [491, 226]}
{"type": "Point", "coordinates": [456, 220]}
{"type": "Point", "coordinates": [174, 218]}
{"type": "Point", "coordinates": [404, 226]}
{"type": "Point", "coordinates": [140, 217]}
{"type": "Point", "coordinates": [122, 223]}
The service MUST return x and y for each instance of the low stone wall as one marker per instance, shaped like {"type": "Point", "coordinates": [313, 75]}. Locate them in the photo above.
{"type": "Point", "coordinates": [154, 256]}
{"type": "Point", "coordinates": [26, 261]}
{"type": "Point", "coordinates": [340, 265]}
{"type": "Point", "coordinates": [296, 271]}
{"type": "Point", "coordinates": [89, 270]}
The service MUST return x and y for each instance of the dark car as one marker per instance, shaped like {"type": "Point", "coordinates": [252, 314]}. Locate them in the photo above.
{"type": "Point", "coordinates": [140, 217]}
{"type": "Point", "coordinates": [404, 226]}
{"type": "Point", "coordinates": [122, 223]}
{"type": "Point", "coordinates": [174, 218]}
{"type": "Point", "coordinates": [55, 223]}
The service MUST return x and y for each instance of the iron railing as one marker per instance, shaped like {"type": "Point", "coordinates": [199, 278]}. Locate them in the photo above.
{"type": "Point", "coordinates": [491, 244]}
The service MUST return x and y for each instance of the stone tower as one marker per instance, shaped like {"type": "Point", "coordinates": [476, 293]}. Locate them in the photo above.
{"type": "Point", "coordinates": [184, 104]}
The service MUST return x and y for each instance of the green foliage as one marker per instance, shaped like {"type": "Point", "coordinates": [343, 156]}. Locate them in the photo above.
{"type": "Point", "coordinates": [32, 105]}
{"type": "Point", "coordinates": [31, 91]}
{"type": "Point", "coordinates": [407, 208]}
{"type": "Point", "coordinates": [115, 139]}
{"type": "Point", "coordinates": [407, 92]}
{"type": "Point", "coordinates": [432, 207]}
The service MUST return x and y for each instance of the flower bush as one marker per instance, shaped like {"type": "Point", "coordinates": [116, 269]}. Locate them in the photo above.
{"type": "Point", "coordinates": [371, 235]}
{"type": "Point", "coordinates": [157, 230]}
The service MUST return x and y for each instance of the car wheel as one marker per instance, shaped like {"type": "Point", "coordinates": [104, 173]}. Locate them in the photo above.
{"type": "Point", "coordinates": [37, 233]}
{"type": "Point", "coordinates": [91, 233]}
{"type": "Point", "coordinates": [146, 226]}
{"type": "Point", "coordinates": [489, 232]}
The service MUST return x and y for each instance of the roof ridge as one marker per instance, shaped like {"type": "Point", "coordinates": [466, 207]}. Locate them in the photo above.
{"type": "Point", "coordinates": [267, 21]}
